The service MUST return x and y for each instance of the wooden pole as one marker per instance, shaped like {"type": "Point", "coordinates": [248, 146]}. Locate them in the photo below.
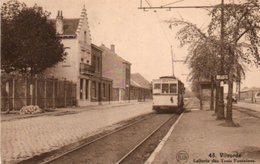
{"type": "Point", "coordinates": [31, 94]}
{"type": "Point", "coordinates": [45, 93]}
{"type": "Point", "coordinates": [65, 93]}
{"type": "Point", "coordinates": [220, 115]}
{"type": "Point", "coordinates": [36, 87]}
{"type": "Point", "coordinates": [53, 92]}
{"type": "Point", "coordinates": [26, 90]}
{"type": "Point", "coordinates": [7, 86]}
{"type": "Point", "coordinates": [13, 92]}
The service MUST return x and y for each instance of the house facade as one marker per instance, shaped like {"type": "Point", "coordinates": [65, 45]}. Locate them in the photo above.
{"type": "Point", "coordinates": [83, 63]}
{"type": "Point", "coordinates": [249, 94]}
{"type": "Point", "coordinates": [101, 87]}
{"type": "Point", "coordinates": [140, 88]}
{"type": "Point", "coordinates": [118, 69]}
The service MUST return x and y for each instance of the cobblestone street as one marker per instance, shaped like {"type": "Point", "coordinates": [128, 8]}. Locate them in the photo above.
{"type": "Point", "coordinates": [25, 138]}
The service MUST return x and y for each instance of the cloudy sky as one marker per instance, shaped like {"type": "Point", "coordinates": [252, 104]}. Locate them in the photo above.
{"type": "Point", "coordinates": [140, 37]}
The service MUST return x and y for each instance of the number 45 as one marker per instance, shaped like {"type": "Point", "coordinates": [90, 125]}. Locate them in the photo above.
{"type": "Point", "coordinates": [212, 155]}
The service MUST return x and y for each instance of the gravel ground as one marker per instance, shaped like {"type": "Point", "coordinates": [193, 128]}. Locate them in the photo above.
{"type": "Point", "coordinates": [199, 134]}
{"type": "Point", "coordinates": [24, 138]}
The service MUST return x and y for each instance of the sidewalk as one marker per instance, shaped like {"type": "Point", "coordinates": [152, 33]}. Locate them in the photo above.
{"type": "Point", "coordinates": [255, 107]}
{"type": "Point", "coordinates": [202, 138]}
{"type": "Point", "coordinates": [28, 137]}
{"type": "Point", "coordinates": [65, 111]}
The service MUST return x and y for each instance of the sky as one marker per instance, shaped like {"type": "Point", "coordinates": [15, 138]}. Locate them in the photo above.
{"type": "Point", "coordinates": [141, 37]}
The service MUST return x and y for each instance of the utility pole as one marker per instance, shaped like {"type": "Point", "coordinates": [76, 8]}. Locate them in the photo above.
{"type": "Point", "coordinates": [220, 111]}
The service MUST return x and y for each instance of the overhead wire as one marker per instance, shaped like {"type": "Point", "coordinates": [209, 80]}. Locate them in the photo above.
{"type": "Point", "coordinates": [167, 39]}
{"type": "Point", "coordinates": [172, 3]}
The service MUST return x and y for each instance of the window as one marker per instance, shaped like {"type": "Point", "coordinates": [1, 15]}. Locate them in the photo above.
{"type": "Point", "coordinates": [98, 64]}
{"type": "Point", "coordinates": [157, 86]}
{"type": "Point", "coordinates": [85, 36]}
{"type": "Point", "coordinates": [127, 74]}
{"type": "Point", "coordinates": [109, 91]}
{"type": "Point", "coordinates": [94, 62]}
{"type": "Point", "coordinates": [165, 88]}
{"type": "Point", "coordinates": [94, 89]}
{"type": "Point", "coordinates": [81, 89]}
{"type": "Point", "coordinates": [104, 90]}
{"type": "Point", "coordinates": [173, 88]}
{"type": "Point", "coordinates": [86, 89]}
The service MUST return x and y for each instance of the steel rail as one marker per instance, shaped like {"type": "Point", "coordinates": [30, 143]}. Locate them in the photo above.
{"type": "Point", "coordinates": [245, 112]}
{"type": "Point", "coordinates": [146, 138]}
{"type": "Point", "coordinates": [93, 141]}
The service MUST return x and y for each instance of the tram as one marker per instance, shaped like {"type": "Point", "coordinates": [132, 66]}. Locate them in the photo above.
{"type": "Point", "coordinates": [168, 94]}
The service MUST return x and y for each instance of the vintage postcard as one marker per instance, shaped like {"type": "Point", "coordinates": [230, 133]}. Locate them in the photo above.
{"type": "Point", "coordinates": [140, 81]}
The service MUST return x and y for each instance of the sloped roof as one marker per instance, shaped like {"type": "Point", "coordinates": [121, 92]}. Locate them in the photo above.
{"type": "Point", "coordinates": [250, 89]}
{"type": "Point", "coordinates": [133, 83]}
{"type": "Point", "coordinates": [70, 25]}
{"type": "Point", "coordinates": [138, 80]}
{"type": "Point", "coordinates": [119, 57]}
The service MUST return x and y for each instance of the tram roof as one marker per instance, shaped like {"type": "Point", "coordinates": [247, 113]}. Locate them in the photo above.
{"type": "Point", "coordinates": [170, 77]}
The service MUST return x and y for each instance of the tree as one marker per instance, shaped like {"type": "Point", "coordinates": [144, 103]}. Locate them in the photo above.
{"type": "Point", "coordinates": [241, 40]}
{"type": "Point", "coordinates": [203, 57]}
{"type": "Point", "coordinates": [29, 40]}
{"type": "Point", "coordinates": [204, 64]}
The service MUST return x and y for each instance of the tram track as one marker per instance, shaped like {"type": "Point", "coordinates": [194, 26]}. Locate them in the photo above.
{"type": "Point", "coordinates": [91, 142]}
{"type": "Point", "coordinates": [131, 158]}
{"type": "Point", "coordinates": [117, 146]}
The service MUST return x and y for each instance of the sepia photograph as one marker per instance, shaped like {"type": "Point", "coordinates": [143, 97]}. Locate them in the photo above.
{"type": "Point", "coordinates": [130, 82]}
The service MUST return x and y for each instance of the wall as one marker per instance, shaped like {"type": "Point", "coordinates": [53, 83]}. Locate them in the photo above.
{"type": "Point", "coordinates": [69, 68]}
{"type": "Point", "coordinates": [113, 68]}
{"type": "Point", "coordinates": [140, 94]}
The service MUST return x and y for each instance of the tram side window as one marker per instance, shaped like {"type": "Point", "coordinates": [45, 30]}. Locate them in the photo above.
{"type": "Point", "coordinates": [157, 86]}
{"type": "Point", "coordinates": [165, 88]}
{"type": "Point", "coordinates": [173, 88]}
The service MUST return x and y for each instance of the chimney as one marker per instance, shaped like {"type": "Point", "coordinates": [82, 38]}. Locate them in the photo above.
{"type": "Point", "coordinates": [59, 23]}
{"type": "Point", "coordinates": [112, 48]}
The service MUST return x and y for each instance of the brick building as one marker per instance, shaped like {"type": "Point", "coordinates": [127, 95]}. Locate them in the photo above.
{"type": "Point", "coordinates": [118, 69]}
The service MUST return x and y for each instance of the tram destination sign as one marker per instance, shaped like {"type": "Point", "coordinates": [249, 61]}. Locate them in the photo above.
{"type": "Point", "coordinates": [222, 77]}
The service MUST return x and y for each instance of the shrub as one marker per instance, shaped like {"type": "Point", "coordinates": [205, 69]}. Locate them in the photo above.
{"type": "Point", "coordinates": [31, 109]}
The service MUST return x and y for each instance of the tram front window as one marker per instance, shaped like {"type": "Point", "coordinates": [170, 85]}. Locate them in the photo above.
{"type": "Point", "coordinates": [173, 88]}
{"type": "Point", "coordinates": [165, 88]}
{"type": "Point", "coordinates": [157, 86]}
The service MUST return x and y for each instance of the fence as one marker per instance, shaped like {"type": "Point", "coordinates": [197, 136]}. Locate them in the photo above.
{"type": "Point", "coordinates": [18, 91]}
{"type": "Point", "coordinates": [249, 95]}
